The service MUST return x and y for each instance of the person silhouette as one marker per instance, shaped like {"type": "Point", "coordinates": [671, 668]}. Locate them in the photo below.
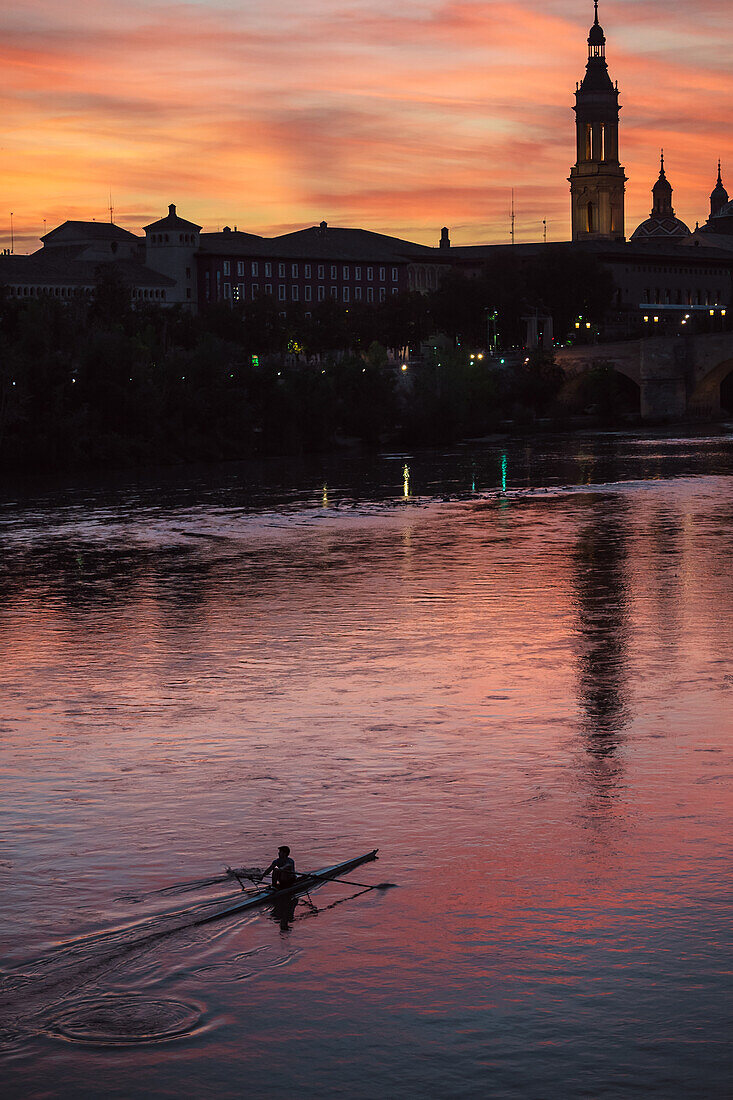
{"type": "Point", "coordinates": [282, 869]}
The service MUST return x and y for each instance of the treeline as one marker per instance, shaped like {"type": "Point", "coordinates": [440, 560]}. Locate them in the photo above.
{"type": "Point", "coordinates": [97, 382]}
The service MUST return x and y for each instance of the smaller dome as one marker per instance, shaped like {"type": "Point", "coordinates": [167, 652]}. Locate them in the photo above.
{"type": "Point", "coordinates": [719, 197]}
{"type": "Point", "coordinates": [662, 194]}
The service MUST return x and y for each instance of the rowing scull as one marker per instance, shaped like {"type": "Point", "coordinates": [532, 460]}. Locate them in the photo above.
{"type": "Point", "coordinates": [304, 884]}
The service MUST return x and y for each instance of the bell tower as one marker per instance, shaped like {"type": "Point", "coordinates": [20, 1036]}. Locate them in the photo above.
{"type": "Point", "coordinates": [597, 180]}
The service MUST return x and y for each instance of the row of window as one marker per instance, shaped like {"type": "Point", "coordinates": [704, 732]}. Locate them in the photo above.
{"type": "Point", "coordinates": [164, 238]}
{"type": "Point", "coordinates": [655, 268]}
{"type": "Point", "coordinates": [239, 293]}
{"type": "Point", "coordinates": [149, 294]}
{"type": "Point", "coordinates": [254, 271]}
{"type": "Point", "coordinates": [73, 292]}
{"type": "Point", "coordinates": [49, 291]}
{"type": "Point", "coordinates": [661, 297]}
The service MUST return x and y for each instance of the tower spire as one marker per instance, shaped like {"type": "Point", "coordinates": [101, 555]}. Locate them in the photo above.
{"type": "Point", "coordinates": [596, 22]}
{"type": "Point", "coordinates": [719, 198]}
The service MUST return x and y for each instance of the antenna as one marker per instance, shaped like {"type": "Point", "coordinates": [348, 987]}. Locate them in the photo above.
{"type": "Point", "coordinates": [111, 208]}
{"type": "Point", "coordinates": [513, 216]}
{"type": "Point", "coordinates": [12, 238]}
{"type": "Point", "coordinates": [544, 230]}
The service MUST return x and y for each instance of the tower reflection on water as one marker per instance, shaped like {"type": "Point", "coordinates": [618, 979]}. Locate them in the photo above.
{"type": "Point", "coordinates": [601, 605]}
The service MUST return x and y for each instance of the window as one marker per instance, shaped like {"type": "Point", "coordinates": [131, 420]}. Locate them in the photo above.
{"type": "Point", "coordinates": [281, 270]}
{"type": "Point", "coordinates": [188, 272]}
{"type": "Point", "coordinates": [357, 293]}
{"type": "Point", "coordinates": [188, 291]}
{"type": "Point", "coordinates": [227, 290]}
{"type": "Point", "coordinates": [294, 270]}
{"type": "Point", "coordinates": [588, 142]}
{"type": "Point", "coordinates": [395, 290]}
{"type": "Point", "coordinates": [268, 288]}
{"type": "Point", "coordinates": [370, 273]}
{"type": "Point", "coordinates": [226, 267]}
{"type": "Point", "coordinates": [321, 293]}
{"type": "Point", "coordinates": [240, 268]}
{"type": "Point", "coordinates": [346, 294]}
{"type": "Point", "coordinates": [394, 274]}
{"type": "Point", "coordinates": [334, 271]}
{"type": "Point", "coordinates": [281, 293]}
{"type": "Point", "coordinates": [346, 272]}
{"type": "Point", "coordinates": [321, 271]}
{"type": "Point", "coordinates": [370, 294]}
{"type": "Point", "coordinates": [268, 271]}
{"type": "Point", "coordinates": [255, 268]}
{"type": "Point", "coordinates": [382, 274]}
{"type": "Point", "coordinates": [334, 292]}
{"type": "Point", "coordinates": [357, 273]}
{"type": "Point", "coordinates": [295, 293]}
{"type": "Point", "coordinates": [382, 293]}
{"type": "Point", "coordinates": [207, 285]}
{"type": "Point", "coordinates": [255, 290]}
{"type": "Point", "coordinates": [307, 270]}
{"type": "Point", "coordinates": [590, 218]}
{"type": "Point", "coordinates": [307, 294]}
{"type": "Point", "coordinates": [240, 292]}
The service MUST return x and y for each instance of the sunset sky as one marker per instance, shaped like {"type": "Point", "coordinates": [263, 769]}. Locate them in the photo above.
{"type": "Point", "coordinates": [400, 117]}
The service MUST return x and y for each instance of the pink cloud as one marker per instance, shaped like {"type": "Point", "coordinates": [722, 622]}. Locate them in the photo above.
{"type": "Point", "coordinates": [400, 118]}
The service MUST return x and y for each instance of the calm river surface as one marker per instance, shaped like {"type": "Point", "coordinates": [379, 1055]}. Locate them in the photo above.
{"type": "Point", "coordinates": [509, 668]}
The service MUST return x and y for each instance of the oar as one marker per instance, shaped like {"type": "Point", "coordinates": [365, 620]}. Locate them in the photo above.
{"type": "Point", "coordinates": [231, 873]}
{"type": "Point", "coordinates": [366, 885]}
{"type": "Point", "coordinates": [348, 882]}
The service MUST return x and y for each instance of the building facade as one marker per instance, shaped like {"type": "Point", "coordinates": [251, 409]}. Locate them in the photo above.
{"type": "Point", "coordinates": [74, 257]}
{"type": "Point", "coordinates": [306, 268]}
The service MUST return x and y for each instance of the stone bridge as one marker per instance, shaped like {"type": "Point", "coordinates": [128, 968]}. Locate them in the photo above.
{"type": "Point", "coordinates": [677, 376]}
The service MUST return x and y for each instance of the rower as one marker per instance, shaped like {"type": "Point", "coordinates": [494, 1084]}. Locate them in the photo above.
{"type": "Point", "coordinates": [283, 869]}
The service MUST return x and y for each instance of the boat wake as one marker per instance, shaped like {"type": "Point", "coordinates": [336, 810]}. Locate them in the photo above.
{"type": "Point", "coordinates": [34, 995]}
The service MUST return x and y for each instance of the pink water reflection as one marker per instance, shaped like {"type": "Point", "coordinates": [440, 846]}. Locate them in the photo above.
{"type": "Point", "coordinates": [525, 705]}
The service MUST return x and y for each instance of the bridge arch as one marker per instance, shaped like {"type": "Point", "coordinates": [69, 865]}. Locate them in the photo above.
{"type": "Point", "coordinates": [601, 387]}
{"type": "Point", "coordinates": [713, 392]}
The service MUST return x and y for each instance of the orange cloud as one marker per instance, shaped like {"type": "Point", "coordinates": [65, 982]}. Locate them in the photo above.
{"type": "Point", "coordinates": [396, 118]}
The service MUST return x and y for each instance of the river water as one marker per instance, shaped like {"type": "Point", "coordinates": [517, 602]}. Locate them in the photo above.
{"type": "Point", "coordinates": [509, 667]}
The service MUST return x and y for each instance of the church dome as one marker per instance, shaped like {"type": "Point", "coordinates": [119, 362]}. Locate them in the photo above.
{"type": "Point", "coordinates": [659, 228]}
{"type": "Point", "coordinates": [662, 223]}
